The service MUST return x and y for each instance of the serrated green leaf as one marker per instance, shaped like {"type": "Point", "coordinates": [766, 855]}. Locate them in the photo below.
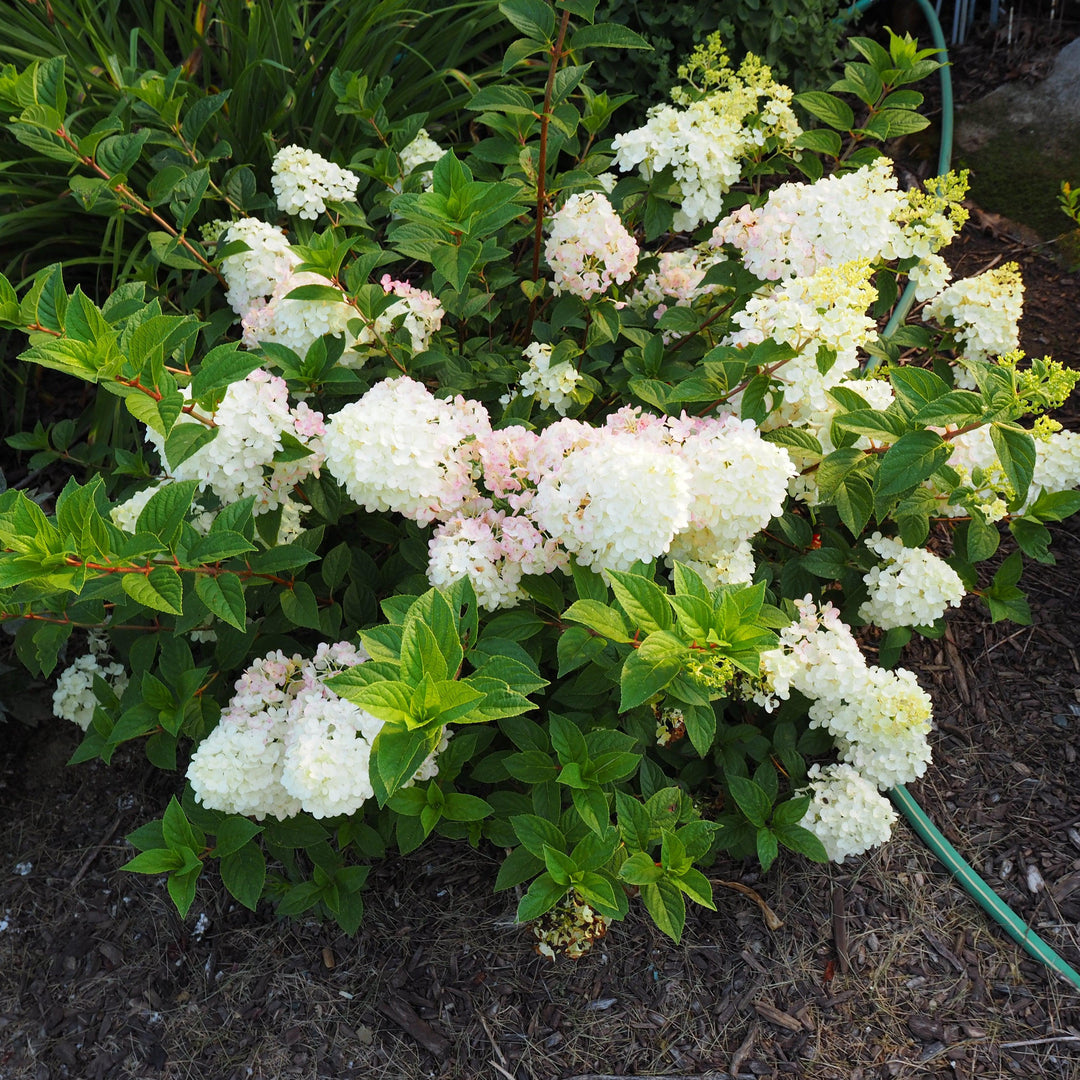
{"type": "Point", "coordinates": [160, 590]}
{"type": "Point", "coordinates": [224, 596]}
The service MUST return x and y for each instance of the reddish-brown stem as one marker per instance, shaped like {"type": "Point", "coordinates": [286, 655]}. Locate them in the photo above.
{"type": "Point", "coordinates": [157, 396]}
{"type": "Point", "coordinates": [541, 164]}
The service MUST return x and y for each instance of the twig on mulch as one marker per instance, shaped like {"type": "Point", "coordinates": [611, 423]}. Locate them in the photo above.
{"type": "Point", "coordinates": [772, 920]}
{"type": "Point", "coordinates": [89, 860]}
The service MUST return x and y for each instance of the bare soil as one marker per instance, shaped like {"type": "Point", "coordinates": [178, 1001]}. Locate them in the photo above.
{"type": "Point", "coordinates": [879, 968]}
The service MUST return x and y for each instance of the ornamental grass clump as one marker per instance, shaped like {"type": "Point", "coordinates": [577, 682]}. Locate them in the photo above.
{"type": "Point", "coordinates": [470, 498]}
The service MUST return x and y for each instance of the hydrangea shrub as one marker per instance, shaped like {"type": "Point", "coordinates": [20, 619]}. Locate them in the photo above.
{"type": "Point", "coordinates": [549, 492]}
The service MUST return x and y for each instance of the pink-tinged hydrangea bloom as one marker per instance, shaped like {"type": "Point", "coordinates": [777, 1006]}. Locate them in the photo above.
{"type": "Point", "coordinates": [296, 324]}
{"type": "Point", "coordinates": [287, 742]}
{"type": "Point", "coordinates": [493, 550]}
{"type": "Point", "coordinates": [589, 248]}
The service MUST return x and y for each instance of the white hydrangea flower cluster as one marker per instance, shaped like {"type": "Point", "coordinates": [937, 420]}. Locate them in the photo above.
{"type": "Point", "coordinates": [807, 411]}
{"type": "Point", "coordinates": [251, 420]}
{"type": "Point", "coordinates": [738, 483]}
{"type": "Point", "coordinates": [253, 274]}
{"type": "Point", "coordinates": [296, 324]}
{"type": "Point", "coordinates": [73, 699]}
{"type": "Point", "coordinates": [286, 742]}
{"type": "Point", "coordinates": [912, 588]}
{"type": "Point", "coordinates": [880, 719]}
{"type": "Point", "coordinates": [552, 386]}
{"type": "Point", "coordinates": [704, 142]}
{"type": "Point", "coordinates": [1057, 464]}
{"type": "Point", "coordinates": [826, 309]}
{"type": "Point", "coordinates": [985, 310]}
{"type": "Point", "coordinates": [400, 448]}
{"type": "Point", "coordinates": [588, 247]}
{"type": "Point", "coordinates": [615, 500]}
{"type": "Point", "coordinates": [258, 283]}
{"type": "Point", "coordinates": [861, 215]}
{"type": "Point", "coordinates": [847, 813]}
{"type": "Point", "coordinates": [513, 502]}
{"type": "Point", "coordinates": [304, 182]}
{"type": "Point", "coordinates": [422, 151]}
{"type": "Point", "coordinates": [1057, 468]}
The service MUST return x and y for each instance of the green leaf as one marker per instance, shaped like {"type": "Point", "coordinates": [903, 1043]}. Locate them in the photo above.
{"type": "Point", "coordinates": [217, 547]}
{"type": "Point", "coordinates": [599, 617]}
{"type": "Point", "coordinates": [820, 141]}
{"type": "Point", "coordinates": [164, 511]}
{"type": "Point", "coordinates": [608, 36]}
{"type": "Point", "coordinates": [533, 18]}
{"type": "Point", "coordinates": [396, 755]}
{"type": "Point", "coordinates": [160, 590]}
{"type": "Point", "coordinates": [154, 861]}
{"type": "Point", "coordinates": [233, 833]}
{"type": "Point", "coordinates": [592, 807]}
{"type": "Point", "coordinates": [118, 153]}
{"type": "Point", "coordinates": [185, 440]}
{"type": "Point", "coordinates": [544, 893]}
{"type": "Point", "coordinates": [1016, 451]}
{"type": "Point", "coordinates": [567, 740]}
{"type": "Point", "coordinates": [802, 841]}
{"type": "Point", "coordinates": [700, 721]}
{"type": "Point", "coordinates": [224, 596]}
{"type": "Point", "coordinates": [640, 869]}
{"type": "Point", "coordinates": [559, 865]}
{"type": "Point", "coordinates": [915, 387]}
{"type": "Point", "coordinates": [644, 602]}
{"type": "Point", "coordinates": [912, 459]}
{"type": "Point", "coordinates": [836, 113]}
{"type": "Point", "coordinates": [767, 847]}
{"type": "Point", "coordinates": [649, 669]}
{"type": "Point", "coordinates": [664, 902]}
{"type": "Point", "coordinates": [326, 294]}
{"type": "Point", "coordinates": [461, 807]}
{"type": "Point", "coordinates": [300, 605]}
{"type": "Point", "coordinates": [854, 502]}
{"type": "Point", "coordinates": [751, 798]}
{"type": "Point", "coordinates": [455, 261]}
{"type": "Point", "coordinates": [520, 50]}
{"type": "Point", "coordinates": [177, 830]}
{"type": "Point", "coordinates": [696, 885]}
{"type": "Point", "coordinates": [221, 367]}
{"type": "Point", "coordinates": [536, 833]}
{"type": "Point", "coordinates": [520, 865]}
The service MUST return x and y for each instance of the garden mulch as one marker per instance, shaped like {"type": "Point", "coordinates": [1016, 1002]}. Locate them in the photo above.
{"type": "Point", "coordinates": [875, 969]}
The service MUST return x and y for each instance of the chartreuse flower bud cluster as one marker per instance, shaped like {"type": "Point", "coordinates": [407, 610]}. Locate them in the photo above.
{"type": "Point", "coordinates": [561, 444]}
